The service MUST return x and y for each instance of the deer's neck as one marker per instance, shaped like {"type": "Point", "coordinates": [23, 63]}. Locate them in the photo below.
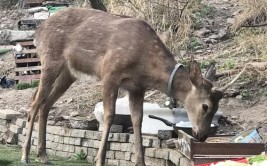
{"type": "Point", "coordinates": [181, 85]}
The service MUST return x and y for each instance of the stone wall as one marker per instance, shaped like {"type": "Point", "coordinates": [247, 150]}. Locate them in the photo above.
{"type": "Point", "coordinates": [66, 142]}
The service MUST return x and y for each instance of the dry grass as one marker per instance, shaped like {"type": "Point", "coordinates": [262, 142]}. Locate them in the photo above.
{"type": "Point", "coordinates": [172, 20]}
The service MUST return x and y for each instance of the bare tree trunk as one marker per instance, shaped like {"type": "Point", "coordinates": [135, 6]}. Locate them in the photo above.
{"type": "Point", "coordinates": [98, 4]}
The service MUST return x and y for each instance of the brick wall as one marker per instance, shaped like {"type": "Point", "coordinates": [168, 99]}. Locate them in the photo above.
{"type": "Point", "coordinates": [66, 142]}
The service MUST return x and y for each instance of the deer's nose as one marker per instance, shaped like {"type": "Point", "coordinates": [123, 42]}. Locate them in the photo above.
{"type": "Point", "coordinates": [195, 132]}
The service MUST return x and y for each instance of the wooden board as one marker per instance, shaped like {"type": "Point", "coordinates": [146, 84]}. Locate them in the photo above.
{"type": "Point", "coordinates": [27, 60]}
{"type": "Point", "coordinates": [201, 152]}
{"type": "Point", "coordinates": [22, 69]}
{"type": "Point", "coordinates": [27, 78]}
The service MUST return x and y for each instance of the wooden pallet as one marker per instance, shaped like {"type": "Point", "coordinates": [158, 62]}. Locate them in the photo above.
{"type": "Point", "coordinates": [28, 65]}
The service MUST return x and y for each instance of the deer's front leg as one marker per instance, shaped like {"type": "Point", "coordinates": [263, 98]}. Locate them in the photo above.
{"type": "Point", "coordinates": [110, 93]}
{"type": "Point", "coordinates": [136, 106]}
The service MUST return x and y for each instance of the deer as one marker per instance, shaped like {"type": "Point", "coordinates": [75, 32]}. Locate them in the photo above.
{"type": "Point", "coordinates": [121, 52]}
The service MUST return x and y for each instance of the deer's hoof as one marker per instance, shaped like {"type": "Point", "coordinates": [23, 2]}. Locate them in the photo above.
{"type": "Point", "coordinates": [24, 162]}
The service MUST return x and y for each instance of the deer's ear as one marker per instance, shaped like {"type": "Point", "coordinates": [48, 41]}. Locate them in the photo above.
{"type": "Point", "coordinates": [217, 95]}
{"type": "Point", "coordinates": [195, 74]}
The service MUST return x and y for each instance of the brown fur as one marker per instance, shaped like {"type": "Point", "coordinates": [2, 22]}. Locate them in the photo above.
{"type": "Point", "coordinates": [122, 52]}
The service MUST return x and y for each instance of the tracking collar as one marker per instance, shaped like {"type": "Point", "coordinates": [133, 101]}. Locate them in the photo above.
{"type": "Point", "coordinates": [170, 102]}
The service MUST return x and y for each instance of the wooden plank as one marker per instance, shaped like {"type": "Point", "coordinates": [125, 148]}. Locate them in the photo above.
{"type": "Point", "coordinates": [27, 60]}
{"type": "Point", "coordinates": [227, 148]}
{"type": "Point", "coordinates": [27, 77]}
{"type": "Point", "coordinates": [22, 69]}
{"type": "Point", "coordinates": [185, 144]}
{"type": "Point", "coordinates": [27, 51]}
{"type": "Point", "coordinates": [26, 43]}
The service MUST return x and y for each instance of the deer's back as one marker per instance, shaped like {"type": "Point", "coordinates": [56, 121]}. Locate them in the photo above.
{"type": "Point", "coordinates": [89, 40]}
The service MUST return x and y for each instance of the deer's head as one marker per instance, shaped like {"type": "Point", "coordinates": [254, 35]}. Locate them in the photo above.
{"type": "Point", "coordinates": [199, 98]}
{"type": "Point", "coordinates": [201, 102]}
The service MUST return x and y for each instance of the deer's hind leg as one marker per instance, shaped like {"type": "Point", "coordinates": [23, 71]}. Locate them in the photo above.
{"type": "Point", "coordinates": [61, 84]}
{"type": "Point", "coordinates": [39, 100]}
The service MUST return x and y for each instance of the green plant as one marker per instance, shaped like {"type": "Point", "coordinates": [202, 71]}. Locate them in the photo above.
{"type": "Point", "coordinates": [193, 43]}
{"type": "Point", "coordinates": [80, 156]}
{"type": "Point", "coordinates": [229, 64]}
{"type": "Point", "coordinates": [22, 86]}
{"type": "Point", "coordinates": [245, 94]}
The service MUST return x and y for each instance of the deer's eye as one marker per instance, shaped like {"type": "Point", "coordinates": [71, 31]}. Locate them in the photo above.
{"type": "Point", "coordinates": [205, 107]}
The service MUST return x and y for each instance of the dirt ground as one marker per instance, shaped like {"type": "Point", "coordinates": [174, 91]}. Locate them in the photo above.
{"type": "Point", "coordinates": [243, 111]}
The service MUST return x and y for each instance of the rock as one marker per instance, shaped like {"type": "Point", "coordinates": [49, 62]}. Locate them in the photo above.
{"type": "Point", "coordinates": [202, 32]}
{"type": "Point", "coordinates": [70, 100]}
{"type": "Point", "coordinates": [230, 20]}
{"type": "Point", "coordinates": [84, 124]}
{"type": "Point", "coordinates": [234, 117]}
{"type": "Point", "coordinates": [75, 113]}
{"type": "Point", "coordinates": [239, 97]}
{"type": "Point", "coordinates": [9, 114]}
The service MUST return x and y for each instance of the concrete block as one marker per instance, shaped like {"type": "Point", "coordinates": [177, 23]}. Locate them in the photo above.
{"type": "Point", "coordinates": [91, 134]}
{"type": "Point", "coordinates": [114, 137]}
{"type": "Point", "coordinates": [77, 133]}
{"type": "Point", "coordinates": [115, 146]}
{"type": "Point", "coordinates": [128, 156]}
{"type": "Point", "coordinates": [150, 152]}
{"type": "Point", "coordinates": [154, 161]}
{"type": "Point", "coordinates": [156, 143]}
{"type": "Point", "coordinates": [49, 137]}
{"type": "Point", "coordinates": [75, 141]}
{"type": "Point", "coordinates": [124, 137]}
{"type": "Point", "coordinates": [51, 152]}
{"type": "Point", "coordinates": [120, 155]}
{"type": "Point", "coordinates": [88, 142]}
{"type": "Point", "coordinates": [57, 146]}
{"type": "Point", "coordinates": [131, 138]}
{"type": "Point", "coordinates": [24, 132]}
{"type": "Point", "coordinates": [9, 114]}
{"type": "Point", "coordinates": [126, 163]}
{"type": "Point", "coordinates": [49, 144]}
{"type": "Point", "coordinates": [90, 159]}
{"type": "Point", "coordinates": [92, 152]}
{"type": "Point", "coordinates": [66, 148]}
{"type": "Point", "coordinates": [162, 154]}
{"type": "Point", "coordinates": [126, 147]}
{"type": "Point", "coordinates": [21, 122]}
{"type": "Point", "coordinates": [110, 154]}
{"type": "Point", "coordinates": [66, 140]}
{"type": "Point", "coordinates": [15, 129]}
{"type": "Point", "coordinates": [99, 135]}
{"type": "Point", "coordinates": [61, 154]}
{"type": "Point", "coordinates": [4, 122]}
{"type": "Point", "coordinates": [112, 162]}
{"type": "Point", "coordinates": [113, 129]}
{"type": "Point", "coordinates": [71, 148]}
{"type": "Point", "coordinates": [21, 138]}
{"type": "Point", "coordinates": [3, 128]}
{"type": "Point", "coordinates": [59, 139]}
{"type": "Point", "coordinates": [147, 142]}
{"type": "Point", "coordinates": [166, 134]}
{"type": "Point", "coordinates": [12, 138]}
{"type": "Point", "coordinates": [175, 156]}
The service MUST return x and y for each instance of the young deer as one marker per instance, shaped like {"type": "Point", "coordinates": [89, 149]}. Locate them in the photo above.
{"type": "Point", "coordinates": [121, 52]}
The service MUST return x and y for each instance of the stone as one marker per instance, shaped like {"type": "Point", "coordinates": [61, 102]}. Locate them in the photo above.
{"type": "Point", "coordinates": [78, 149]}
{"type": "Point", "coordinates": [115, 146]}
{"type": "Point", "coordinates": [4, 122]}
{"type": "Point", "coordinates": [78, 123]}
{"type": "Point", "coordinates": [156, 143]}
{"type": "Point", "coordinates": [111, 162]}
{"type": "Point", "coordinates": [77, 133]}
{"type": "Point", "coordinates": [74, 113]}
{"type": "Point", "coordinates": [92, 152]}
{"type": "Point", "coordinates": [9, 114]}
{"type": "Point", "coordinates": [12, 138]}
{"type": "Point", "coordinates": [185, 161]}
{"type": "Point", "coordinates": [162, 154]}
{"type": "Point", "coordinates": [147, 142]}
{"type": "Point", "coordinates": [59, 139]}
{"type": "Point", "coordinates": [49, 137]}
{"type": "Point", "coordinates": [175, 156]}
{"type": "Point", "coordinates": [150, 152]}
{"type": "Point", "coordinates": [21, 123]}
{"type": "Point", "coordinates": [126, 163]}
{"type": "Point", "coordinates": [128, 156]}
{"type": "Point", "coordinates": [110, 154]}
{"type": "Point", "coordinates": [126, 147]}
{"type": "Point", "coordinates": [114, 137]}
{"type": "Point", "coordinates": [3, 128]}
{"type": "Point", "coordinates": [154, 161]}
{"type": "Point", "coordinates": [49, 144]}
{"type": "Point", "coordinates": [230, 20]}
{"type": "Point", "coordinates": [124, 137]}
{"type": "Point", "coordinates": [75, 141]}
{"type": "Point", "coordinates": [166, 134]}
{"type": "Point", "coordinates": [91, 134]}
{"type": "Point", "coordinates": [88, 143]}
{"type": "Point", "coordinates": [21, 138]}
{"type": "Point", "coordinates": [90, 159]}
{"type": "Point", "coordinates": [66, 140]}
{"type": "Point", "coordinates": [61, 154]}
{"type": "Point", "coordinates": [119, 155]}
